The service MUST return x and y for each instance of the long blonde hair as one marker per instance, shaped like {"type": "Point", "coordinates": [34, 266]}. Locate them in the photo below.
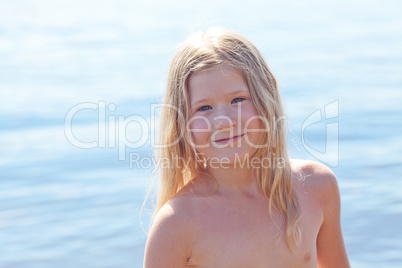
{"type": "Point", "coordinates": [206, 50]}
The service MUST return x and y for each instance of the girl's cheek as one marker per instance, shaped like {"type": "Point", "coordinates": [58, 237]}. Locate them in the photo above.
{"type": "Point", "coordinates": [251, 119]}
{"type": "Point", "coordinates": [200, 128]}
{"type": "Point", "coordinates": [200, 122]}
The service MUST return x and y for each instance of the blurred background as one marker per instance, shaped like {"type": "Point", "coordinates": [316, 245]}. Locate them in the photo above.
{"type": "Point", "coordinates": [88, 64]}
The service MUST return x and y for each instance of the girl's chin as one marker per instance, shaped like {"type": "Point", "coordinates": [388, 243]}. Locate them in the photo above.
{"type": "Point", "coordinates": [228, 160]}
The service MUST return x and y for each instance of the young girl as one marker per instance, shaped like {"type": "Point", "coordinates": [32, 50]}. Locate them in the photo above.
{"type": "Point", "coordinates": [229, 194]}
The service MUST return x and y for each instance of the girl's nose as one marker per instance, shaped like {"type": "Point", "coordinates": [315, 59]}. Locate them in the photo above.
{"type": "Point", "coordinates": [223, 122]}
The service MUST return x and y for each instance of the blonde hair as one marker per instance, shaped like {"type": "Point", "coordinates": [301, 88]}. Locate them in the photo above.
{"type": "Point", "coordinates": [207, 50]}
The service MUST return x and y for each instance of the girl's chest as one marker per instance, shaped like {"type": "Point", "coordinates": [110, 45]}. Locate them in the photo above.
{"type": "Point", "coordinates": [251, 237]}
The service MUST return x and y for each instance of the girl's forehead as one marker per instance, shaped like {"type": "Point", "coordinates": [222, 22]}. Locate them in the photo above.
{"type": "Point", "coordinates": [214, 84]}
{"type": "Point", "coordinates": [216, 73]}
{"type": "Point", "coordinates": [224, 67]}
{"type": "Point", "coordinates": [216, 80]}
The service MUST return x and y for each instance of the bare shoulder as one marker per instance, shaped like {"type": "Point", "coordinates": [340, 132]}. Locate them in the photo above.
{"type": "Point", "coordinates": [176, 212]}
{"type": "Point", "coordinates": [310, 168]}
{"type": "Point", "coordinates": [314, 177]}
{"type": "Point", "coordinates": [171, 236]}
{"type": "Point", "coordinates": [319, 182]}
{"type": "Point", "coordinates": [181, 210]}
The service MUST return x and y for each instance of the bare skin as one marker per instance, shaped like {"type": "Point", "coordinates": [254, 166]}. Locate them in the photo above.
{"type": "Point", "coordinates": [233, 228]}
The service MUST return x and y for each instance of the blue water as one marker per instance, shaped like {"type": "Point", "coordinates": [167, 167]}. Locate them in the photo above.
{"type": "Point", "coordinates": [63, 206]}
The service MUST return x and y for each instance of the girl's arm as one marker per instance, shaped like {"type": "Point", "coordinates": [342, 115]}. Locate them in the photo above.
{"type": "Point", "coordinates": [331, 250]}
{"type": "Point", "coordinates": [168, 241]}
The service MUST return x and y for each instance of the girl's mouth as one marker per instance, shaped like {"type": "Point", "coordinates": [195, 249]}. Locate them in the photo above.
{"type": "Point", "coordinates": [229, 140]}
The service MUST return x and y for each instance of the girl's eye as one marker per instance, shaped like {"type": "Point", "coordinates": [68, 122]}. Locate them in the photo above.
{"type": "Point", "coordinates": [238, 100]}
{"type": "Point", "coordinates": [204, 108]}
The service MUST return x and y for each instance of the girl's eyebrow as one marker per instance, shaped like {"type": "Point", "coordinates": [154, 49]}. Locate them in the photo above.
{"type": "Point", "coordinates": [201, 100]}
{"type": "Point", "coordinates": [230, 94]}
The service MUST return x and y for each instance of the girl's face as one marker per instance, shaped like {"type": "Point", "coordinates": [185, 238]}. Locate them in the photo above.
{"type": "Point", "coordinates": [223, 121]}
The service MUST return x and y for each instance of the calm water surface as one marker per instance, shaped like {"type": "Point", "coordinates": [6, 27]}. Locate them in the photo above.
{"type": "Point", "coordinates": [63, 206]}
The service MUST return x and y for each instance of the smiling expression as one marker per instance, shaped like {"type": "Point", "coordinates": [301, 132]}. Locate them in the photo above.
{"type": "Point", "coordinates": [223, 120]}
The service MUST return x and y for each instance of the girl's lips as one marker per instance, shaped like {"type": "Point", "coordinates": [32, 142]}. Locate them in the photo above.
{"type": "Point", "coordinates": [229, 140]}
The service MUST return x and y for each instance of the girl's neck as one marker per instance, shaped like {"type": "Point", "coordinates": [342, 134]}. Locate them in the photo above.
{"type": "Point", "coordinates": [230, 179]}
